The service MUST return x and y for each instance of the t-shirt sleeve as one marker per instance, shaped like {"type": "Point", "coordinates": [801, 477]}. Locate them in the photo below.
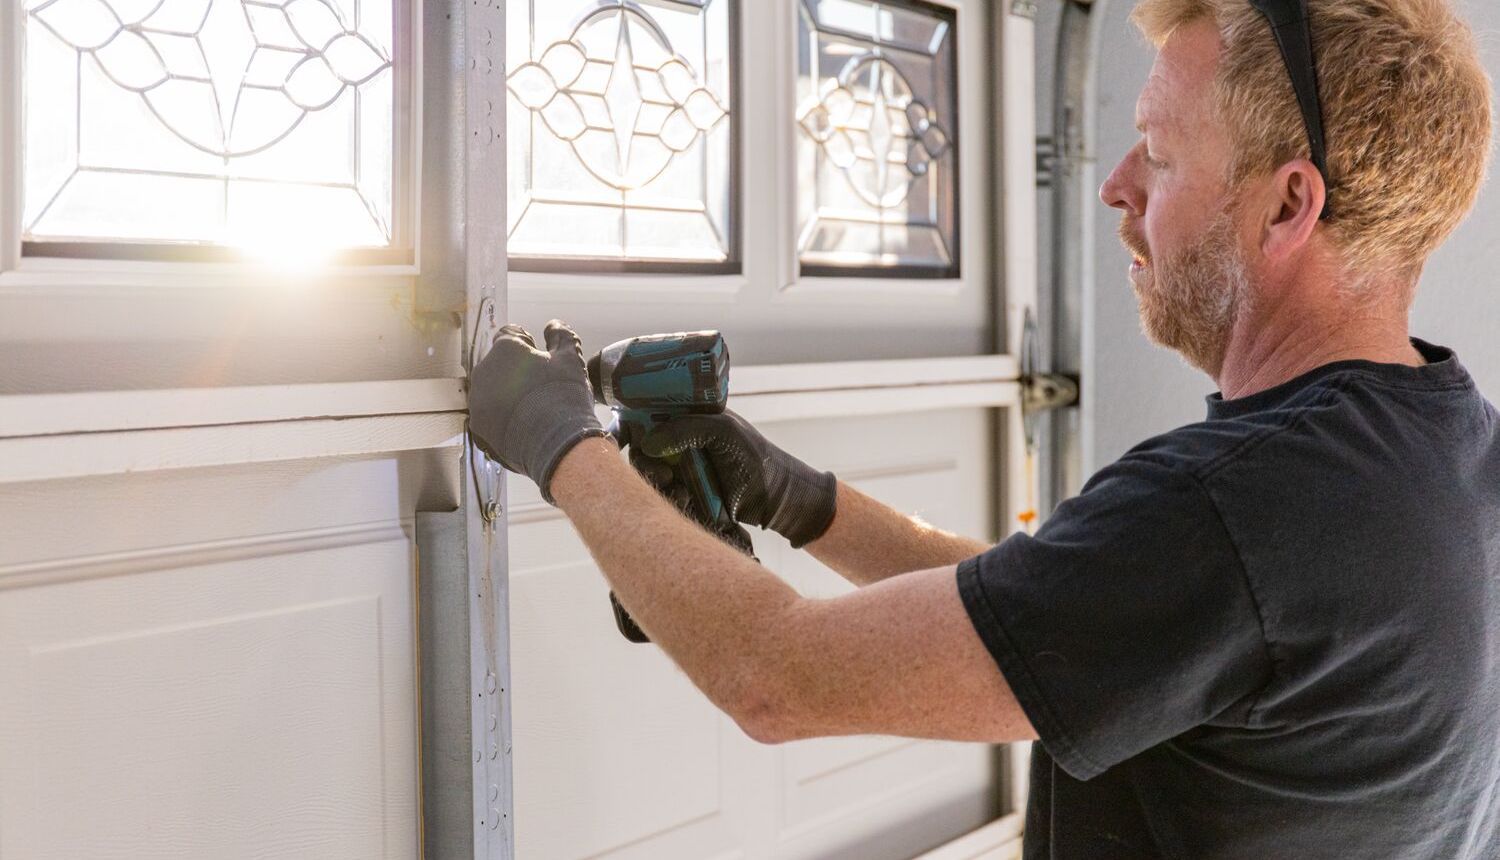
{"type": "Point", "coordinates": [1125, 621]}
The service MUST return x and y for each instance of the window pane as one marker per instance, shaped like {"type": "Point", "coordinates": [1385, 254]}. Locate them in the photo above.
{"type": "Point", "coordinates": [621, 132]}
{"type": "Point", "coordinates": [877, 136]}
{"type": "Point", "coordinates": [232, 122]}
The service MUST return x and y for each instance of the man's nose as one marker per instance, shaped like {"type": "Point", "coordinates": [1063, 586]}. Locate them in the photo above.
{"type": "Point", "coordinates": [1120, 191]}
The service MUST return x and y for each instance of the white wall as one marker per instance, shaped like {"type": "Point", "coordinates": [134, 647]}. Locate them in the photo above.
{"type": "Point", "coordinates": [1139, 390]}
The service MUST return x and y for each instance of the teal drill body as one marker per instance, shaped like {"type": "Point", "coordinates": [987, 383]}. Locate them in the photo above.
{"type": "Point", "coordinates": [652, 379]}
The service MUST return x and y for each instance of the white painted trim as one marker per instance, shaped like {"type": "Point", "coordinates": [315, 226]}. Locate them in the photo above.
{"type": "Point", "coordinates": [890, 373]}
{"type": "Point", "coordinates": [99, 411]}
{"type": "Point", "coordinates": [776, 392]}
{"type": "Point", "coordinates": [560, 288]}
{"type": "Point", "coordinates": [40, 458]}
{"type": "Point", "coordinates": [994, 841]}
{"type": "Point", "coordinates": [1016, 100]}
{"type": "Point", "coordinates": [68, 275]}
{"type": "Point", "coordinates": [1018, 763]}
{"type": "Point", "coordinates": [407, 114]}
{"type": "Point", "coordinates": [881, 291]}
{"type": "Point", "coordinates": [834, 403]}
{"type": "Point", "coordinates": [10, 134]}
{"type": "Point", "coordinates": [1015, 113]}
{"type": "Point", "coordinates": [975, 163]}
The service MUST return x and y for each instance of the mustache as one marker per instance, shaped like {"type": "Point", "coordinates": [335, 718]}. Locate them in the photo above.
{"type": "Point", "coordinates": [1133, 242]}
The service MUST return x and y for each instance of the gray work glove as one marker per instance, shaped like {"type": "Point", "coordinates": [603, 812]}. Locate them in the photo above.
{"type": "Point", "coordinates": [527, 408]}
{"type": "Point", "coordinates": [762, 485]}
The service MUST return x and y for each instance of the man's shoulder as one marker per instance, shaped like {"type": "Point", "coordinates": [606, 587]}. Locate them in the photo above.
{"type": "Point", "coordinates": [1316, 417]}
{"type": "Point", "coordinates": [1201, 449]}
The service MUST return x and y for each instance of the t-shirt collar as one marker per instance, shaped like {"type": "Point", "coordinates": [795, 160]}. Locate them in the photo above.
{"type": "Point", "coordinates": [1442, 369]}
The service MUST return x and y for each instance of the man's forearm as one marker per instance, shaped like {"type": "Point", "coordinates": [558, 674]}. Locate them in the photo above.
{"type": "Point", "coordinates": [868, 541]}
{"type": "Point", "coordinates": [707, 605]}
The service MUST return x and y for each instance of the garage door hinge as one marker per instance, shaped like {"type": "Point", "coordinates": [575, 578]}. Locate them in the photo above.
{"type": "Point", "coordinates": [1042, 391]}
{"type": "Point", "coordinates": [1023, 8]}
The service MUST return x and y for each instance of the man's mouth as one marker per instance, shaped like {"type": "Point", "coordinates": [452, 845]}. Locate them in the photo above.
{"type": "Point", "coordinates": [1134, 245]}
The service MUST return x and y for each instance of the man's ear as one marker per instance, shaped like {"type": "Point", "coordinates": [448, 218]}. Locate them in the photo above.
{"type": "Point", "coordinates": [1296, 196]}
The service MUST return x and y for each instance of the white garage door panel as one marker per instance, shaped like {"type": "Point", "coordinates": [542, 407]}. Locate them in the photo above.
{"type": "Point", "coordinates": [621, 757]}
{"type": "Point", "coordinates": [935, 465]}
{"type": "Point", "coordinates": [616, 748]}
{"type": "Point", "coordinates": [211, 663]}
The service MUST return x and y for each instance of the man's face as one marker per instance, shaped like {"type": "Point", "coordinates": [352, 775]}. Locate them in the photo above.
{"type": "Point", "coordinates": [1189, 271]}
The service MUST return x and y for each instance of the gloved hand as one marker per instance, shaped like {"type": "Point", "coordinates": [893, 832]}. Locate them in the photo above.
{"type": "Point", "coordinates": [527, 408]}
{"type": "Point", "coordinates": [762, 485]}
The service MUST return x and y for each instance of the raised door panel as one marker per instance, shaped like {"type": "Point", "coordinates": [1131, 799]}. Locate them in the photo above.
{"type": "Point", "coordinates": [210, 663]}
{"type": "Point", "coordinates": [247, 709]}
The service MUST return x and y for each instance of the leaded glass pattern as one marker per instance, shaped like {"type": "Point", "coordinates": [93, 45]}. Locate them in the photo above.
{"type": "Point", "coordinates": [621, 138]}
{"type": "Point", "coordinates": [876, 141]}
{"type": "Point", "coordinates": [222, 122]}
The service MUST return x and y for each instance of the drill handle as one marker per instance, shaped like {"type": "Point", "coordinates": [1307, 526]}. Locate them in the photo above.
{"type": "Point", "coordinates": [692, 470]}
{"type": "Point", "coordinates": [706, 505]}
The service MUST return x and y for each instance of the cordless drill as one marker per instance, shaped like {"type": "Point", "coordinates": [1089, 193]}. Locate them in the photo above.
{"type": "Point", "coordinates": [649, 380]}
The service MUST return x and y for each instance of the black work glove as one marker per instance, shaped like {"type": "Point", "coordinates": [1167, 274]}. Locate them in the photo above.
{"type": "Point", "coordinates": [527, 408]}
{"type": "Point", "coordinates": [762, 485]}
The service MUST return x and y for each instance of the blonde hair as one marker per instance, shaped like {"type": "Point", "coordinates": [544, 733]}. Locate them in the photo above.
{"type": "Point", "coordinates": [1406, 114]}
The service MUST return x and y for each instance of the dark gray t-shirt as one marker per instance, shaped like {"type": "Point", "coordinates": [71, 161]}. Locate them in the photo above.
{"type": "Point", "coordinates": [1273, 634]}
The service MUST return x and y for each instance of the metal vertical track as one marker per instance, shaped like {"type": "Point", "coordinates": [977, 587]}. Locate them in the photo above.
{"type": "Point", "coordinates": [1072, 239]}
{"type": "Point", "coordinates": [467, 801]}
{"type": "Point", "coordinates": [484, 505]}
{"type": "Point", "coordinates": [447, 688]}
{"type": "Point", "coordinates": [463, 596]}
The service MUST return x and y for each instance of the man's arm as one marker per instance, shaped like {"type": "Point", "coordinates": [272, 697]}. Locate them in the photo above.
{"type": "Point", "coordinates": [862, 539]}
{"type": "Point", "coordinates": [868, 541]}
{"type": "Point", "coordinates": [898, 657]}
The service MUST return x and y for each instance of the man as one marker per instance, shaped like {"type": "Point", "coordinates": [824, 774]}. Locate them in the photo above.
{"type": "Point", "coordinates": [1273, 634]}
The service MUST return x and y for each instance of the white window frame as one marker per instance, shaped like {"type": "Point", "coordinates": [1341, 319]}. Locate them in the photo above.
{"type": "Point", "coordinates": [90, 262]}
{"type": "Point", "coordinates": [767, 221]}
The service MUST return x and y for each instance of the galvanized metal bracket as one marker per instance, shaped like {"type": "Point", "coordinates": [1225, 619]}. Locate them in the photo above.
{"type": "Point", "coordinates": [1046, 161]}
{"type": "Point", "coordinates": [1023, 8]}
{"type": "Point", "coordinates": [1041, 391]}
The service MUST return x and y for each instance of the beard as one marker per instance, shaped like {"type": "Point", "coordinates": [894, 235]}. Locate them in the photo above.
{"type": "Point", "coordinates": [1190, 300]}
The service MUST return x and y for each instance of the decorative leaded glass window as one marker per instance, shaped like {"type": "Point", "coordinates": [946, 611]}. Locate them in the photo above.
{"type": "Point", "coordinates": [266, 123]}
{"type": "Point", "coordinates": [621, 134]}
{"type": "Point", "coordinates": [877, 130]}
